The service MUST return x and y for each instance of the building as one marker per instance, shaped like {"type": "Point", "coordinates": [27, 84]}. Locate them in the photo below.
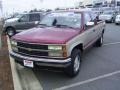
{"type": "Point", "coordinates": [117, 2]}
{"type": "Point", "coordinates": [92, 3]}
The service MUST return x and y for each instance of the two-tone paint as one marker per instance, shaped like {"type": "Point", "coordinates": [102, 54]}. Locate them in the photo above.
{"type": "Point", "coordinates": [81, 38]}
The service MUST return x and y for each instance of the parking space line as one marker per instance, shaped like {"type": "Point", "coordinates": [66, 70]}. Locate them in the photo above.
{"type": "Point", "coordinates": [88, 81]}
{"type": "Point", "coordinates": [111, 43]}
{"type": "Point", "coordinates": [28, 79]}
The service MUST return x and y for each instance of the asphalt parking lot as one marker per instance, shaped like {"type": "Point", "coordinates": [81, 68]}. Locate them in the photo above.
{"type": "Point", "coordinates": [100, 68]}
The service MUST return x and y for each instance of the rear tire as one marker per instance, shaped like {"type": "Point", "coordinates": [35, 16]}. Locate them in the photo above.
{"type": "Point", "coordinates": [99, 42]}
{"type": "Point", "coordinates": [112, 20]}
{"type": "Point", "coordinates": [10, 31]}
{"type": "Point", "coordinates": [74, 67]}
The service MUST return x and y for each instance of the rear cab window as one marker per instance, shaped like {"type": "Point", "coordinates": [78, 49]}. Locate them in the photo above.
{"type": "Point", "coordinates": [34, 17]}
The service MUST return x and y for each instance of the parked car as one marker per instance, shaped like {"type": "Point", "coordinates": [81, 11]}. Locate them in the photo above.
{"type": "Point", "coordinates": [108, 16]}
{"type": "Point", "coordinates": [117, 19]}
{"type": "Point", "coordinates": [58, 41]}
{"type": "Point", "coordinates": [22, 22]}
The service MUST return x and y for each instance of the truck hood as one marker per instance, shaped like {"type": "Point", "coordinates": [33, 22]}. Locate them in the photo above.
{"type": "Point", "coordinates": [105, 16]}
{"type": "Point", "coordinates": [48, 35]}
{"type": "Point", "coordinates": [11, 20]}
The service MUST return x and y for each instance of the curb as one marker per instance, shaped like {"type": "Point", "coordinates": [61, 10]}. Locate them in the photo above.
{"type": "Point", "coordinates": [1, 30]}
{"type": "Point", "coordinates": [23, 78]}
{"type": "Point", "coordinates": [28, 79]}
{"type": "Point", "coordinates": [16, 79]}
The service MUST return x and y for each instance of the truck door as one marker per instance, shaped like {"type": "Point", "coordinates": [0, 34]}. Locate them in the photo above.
{"type": "Point", "coordinates": [35, 17]}
{"type": "Point", "coordinates": [22, 22]}
{"type": "Point", "coordinates": [98, 26]}
{"type": "Point", "coordinates": [89, 31]}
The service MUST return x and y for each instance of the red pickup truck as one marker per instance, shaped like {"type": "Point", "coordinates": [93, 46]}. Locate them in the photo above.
{"type": "Point", "coordinates": [58, 41]}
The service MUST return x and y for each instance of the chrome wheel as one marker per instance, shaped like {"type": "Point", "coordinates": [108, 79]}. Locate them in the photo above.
{"type": "Point", "coordinates": [77, 63]}
{"type": "Point", "coordinates": [73, 69]}
{"type": "Point", "coordinates": [101, 40]}
{"type": "Point", "coordinates": [10, 32]}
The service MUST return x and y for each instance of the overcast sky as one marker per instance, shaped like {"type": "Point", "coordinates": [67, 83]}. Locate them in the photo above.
{"type": "Point", "coordinates": [25, 5]}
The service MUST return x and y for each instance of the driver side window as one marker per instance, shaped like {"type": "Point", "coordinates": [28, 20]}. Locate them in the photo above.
{"type": "Point", "coordinates": [24, 18]}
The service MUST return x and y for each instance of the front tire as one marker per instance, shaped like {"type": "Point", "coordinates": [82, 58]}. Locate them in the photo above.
{"type": "Point", "coordinates": [74, 67]}
{"type": "Point", "coordinates": [116, 23]}
{"type": "Point", "coordinates": [112, 20]}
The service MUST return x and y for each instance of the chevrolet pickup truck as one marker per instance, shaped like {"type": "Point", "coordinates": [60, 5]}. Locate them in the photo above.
{"type": "Point", "coordinates": [58, 41]}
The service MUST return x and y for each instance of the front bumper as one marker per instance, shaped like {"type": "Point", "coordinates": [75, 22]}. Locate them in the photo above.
{"type": "Point", "coordinates": [117, 22]}
{"type": "Point", "coordinates": [41, 61]}
{"type": "Point", "coordinates": [108, 20]}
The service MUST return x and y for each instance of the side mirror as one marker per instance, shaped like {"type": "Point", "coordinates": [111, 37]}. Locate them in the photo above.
{"type": "Point", "coordinates": [90, 24]}
{"type": "Point", "coordinates": [36, 22]}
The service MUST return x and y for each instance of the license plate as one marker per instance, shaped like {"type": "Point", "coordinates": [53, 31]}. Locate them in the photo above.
{"type": "Point", "coordinates": [28, 63]}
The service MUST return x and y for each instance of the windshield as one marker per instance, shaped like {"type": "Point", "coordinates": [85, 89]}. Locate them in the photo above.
{"type": "Point", "coordinates": [108, 13]}
{"type": "Point", "coordinates": [19, 16]}
{"type": "Point", "coordinates": [66, 19]}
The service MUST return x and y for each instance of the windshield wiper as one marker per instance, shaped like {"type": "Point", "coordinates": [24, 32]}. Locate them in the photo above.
{"type": "Point", "coordinates": [43, 25]}
{"type": "Point", "coordinates": [61, 25]}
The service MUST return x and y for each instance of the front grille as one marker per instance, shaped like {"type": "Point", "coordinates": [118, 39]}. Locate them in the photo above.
{"type": "Point", "coordinates": [32, 49]}
{"type": "Point", "coordinates": [33, 46]}
{"type": "Point", "coordinates": [32, 53]}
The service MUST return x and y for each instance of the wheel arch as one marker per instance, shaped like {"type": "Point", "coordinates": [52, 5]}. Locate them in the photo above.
{"type": "Point", "coordinates": [79, 46]}
{"type": "Point", "coordinates": [9, 27]}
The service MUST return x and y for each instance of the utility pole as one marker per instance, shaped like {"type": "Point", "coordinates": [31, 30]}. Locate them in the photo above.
{"type": "Point", "coordinates": [1, 22]}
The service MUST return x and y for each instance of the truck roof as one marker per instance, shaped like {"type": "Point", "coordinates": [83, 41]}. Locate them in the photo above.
{"type": "Point", "coordinates": [33, 13]}
{"type": "Point", "coordinates": [74, 10]}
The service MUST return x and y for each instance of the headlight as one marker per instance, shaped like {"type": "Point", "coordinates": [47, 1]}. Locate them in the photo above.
{"type": "Point", "coordinates": [57, 51]}
{"type": "Point", "coordinates": [14, 48]}
{"type": "Point", "coordinates": [55, 47]}
{"type": "Point", "coordinates": [55, 54]}
{"type": "Point", "coordinates": [14, 43]}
